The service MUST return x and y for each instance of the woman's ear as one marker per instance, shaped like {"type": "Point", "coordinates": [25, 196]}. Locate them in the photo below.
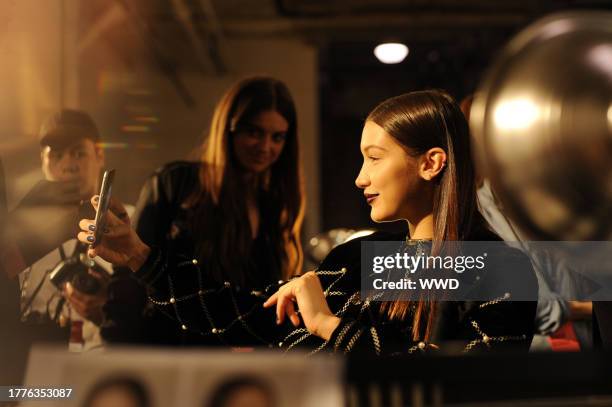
{"type": "Point", "coordinates": [431, 163]}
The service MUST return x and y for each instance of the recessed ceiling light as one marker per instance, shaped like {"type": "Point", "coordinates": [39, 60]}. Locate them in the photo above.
{"type": "Point", "coordinates": [391, 52]}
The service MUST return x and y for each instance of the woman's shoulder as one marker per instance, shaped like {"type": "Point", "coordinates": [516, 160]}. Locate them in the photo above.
{"type": "Point", "coordinates": [349, 252]}
{"type": "Point", "coordinates": [170, 184]}
{"type": "Point", "coordinates": [377, 236]}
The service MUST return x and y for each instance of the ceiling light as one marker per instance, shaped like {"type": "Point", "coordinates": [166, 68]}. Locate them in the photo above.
{"type": "Point", "coordinates": [391, 52]}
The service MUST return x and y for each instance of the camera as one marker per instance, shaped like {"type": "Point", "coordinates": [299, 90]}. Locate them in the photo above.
{"type": "Point", "coordinates": [75, 270]}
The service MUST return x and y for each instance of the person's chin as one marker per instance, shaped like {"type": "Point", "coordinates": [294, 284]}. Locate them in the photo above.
{"type": "Point", "coordinates": [381, 216]}
{"type": "Point", "coordinates": [377, 216]}
{"type": "Point", "coordinates": [258, 168]}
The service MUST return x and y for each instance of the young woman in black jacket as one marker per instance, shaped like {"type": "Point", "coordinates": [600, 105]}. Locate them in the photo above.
{"type": "Point", "coordinates": [416, 167]}
{"type": "Point", "coordinates": [237, 213]}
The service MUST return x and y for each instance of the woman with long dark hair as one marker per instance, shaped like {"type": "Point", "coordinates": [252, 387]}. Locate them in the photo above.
{"type": "Point", "coordinates": [417, 167]}
{"type": "Point", "coordinates": [235, 217]}
{"type": "Point", "coordinates": [251, 171]}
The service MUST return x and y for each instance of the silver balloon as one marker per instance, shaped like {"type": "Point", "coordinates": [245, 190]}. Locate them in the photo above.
{"type": "Point", "coordinates": [542, 122]}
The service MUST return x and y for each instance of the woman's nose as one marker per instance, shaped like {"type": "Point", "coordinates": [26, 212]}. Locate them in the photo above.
{"type": "Point", "coordinates": [362, 180]}
{"type": "Point", "coordinates": [263, 143]}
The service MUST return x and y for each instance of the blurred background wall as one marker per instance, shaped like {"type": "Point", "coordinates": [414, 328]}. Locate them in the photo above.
{"type": "Point", "coordinates": [36, 77]}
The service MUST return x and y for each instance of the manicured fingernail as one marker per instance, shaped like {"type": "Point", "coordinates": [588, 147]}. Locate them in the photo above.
{"type": "Point", "coordinates": [90, 239]}
{"type": "Point", "coordinates": [92, 228]}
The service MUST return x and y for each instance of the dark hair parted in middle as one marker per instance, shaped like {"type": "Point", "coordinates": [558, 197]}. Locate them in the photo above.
{"type": "Point", "coordinates": [226, 239]}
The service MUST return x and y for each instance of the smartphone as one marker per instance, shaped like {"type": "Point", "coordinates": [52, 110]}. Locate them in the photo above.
{"type": "Point", "coordinates": [103, 204]}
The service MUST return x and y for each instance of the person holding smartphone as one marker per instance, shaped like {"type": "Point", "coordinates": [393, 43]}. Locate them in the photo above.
{"type": "Point", "coordinates": [237, 213]}
{"type": "Point", "coordinates": [40, 230]}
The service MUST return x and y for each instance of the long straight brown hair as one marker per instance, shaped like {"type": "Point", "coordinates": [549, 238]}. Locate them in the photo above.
{"type": "Point", "coordinates": [420, 121]}
{"type": "Point", "coordinates": [219, 206]}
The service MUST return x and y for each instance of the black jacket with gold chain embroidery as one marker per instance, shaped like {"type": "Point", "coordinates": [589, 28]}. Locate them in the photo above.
{"type": "Point", "coordinates": [460, 326]}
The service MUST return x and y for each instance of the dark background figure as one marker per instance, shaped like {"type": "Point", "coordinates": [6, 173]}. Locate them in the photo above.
{"type": "Point", "coordinates": [554, 315]}
{"type": "Point", "coordinates": [40, 234]}
{"type": "Point", "coordinates": [535, 159]}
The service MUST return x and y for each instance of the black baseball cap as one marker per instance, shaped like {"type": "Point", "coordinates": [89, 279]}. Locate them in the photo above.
{"type": "Point", "coordinates": [67, 126]}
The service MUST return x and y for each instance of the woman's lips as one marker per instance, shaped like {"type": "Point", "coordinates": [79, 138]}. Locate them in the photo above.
{"type": "Point", "coordinates": [260, 159]}
{"type": "Point", "coordinates": [370, 198]}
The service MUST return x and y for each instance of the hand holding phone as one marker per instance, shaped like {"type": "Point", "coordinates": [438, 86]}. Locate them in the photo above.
{"type": "Point", "coordinates": [103, 204]}
{"type": "Point", "coordinates": [110, 234]}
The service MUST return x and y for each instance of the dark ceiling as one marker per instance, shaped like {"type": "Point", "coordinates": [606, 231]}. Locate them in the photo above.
{"type": "Point", "coordinates": [189, 34]}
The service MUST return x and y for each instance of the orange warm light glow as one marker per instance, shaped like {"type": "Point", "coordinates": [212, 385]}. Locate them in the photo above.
{"type": "Point", "coordinates": [107, 145]}
{"type": "Point", "coordinates": [147, 119]}
{"type": "Point", "coordinates": [130, 128]}
{"type": "Point", "coordinates": [123, 146]}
